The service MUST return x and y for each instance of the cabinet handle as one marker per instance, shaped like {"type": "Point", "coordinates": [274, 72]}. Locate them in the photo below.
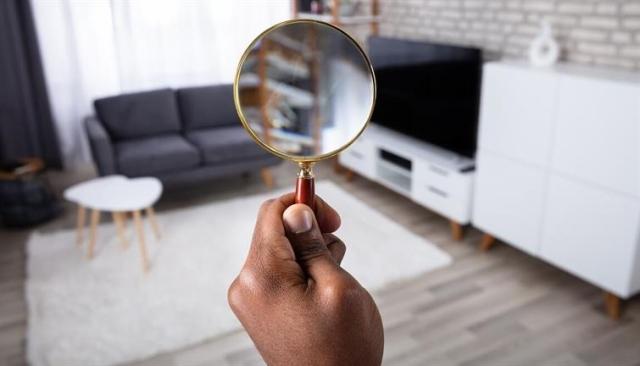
{"type": "Point", "coordinates": [438, 171]}
{"type": "Point", "coordinates": [438, 191]}
{"type": "Point", "coordinates": [356, 154]}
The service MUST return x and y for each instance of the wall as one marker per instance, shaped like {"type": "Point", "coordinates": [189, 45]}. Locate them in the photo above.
{"type": "Point", "coordinates": [594, 32]}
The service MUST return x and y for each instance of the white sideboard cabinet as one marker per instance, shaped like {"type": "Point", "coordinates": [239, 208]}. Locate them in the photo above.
{"type": "Point", "coordinates": [558, 170]}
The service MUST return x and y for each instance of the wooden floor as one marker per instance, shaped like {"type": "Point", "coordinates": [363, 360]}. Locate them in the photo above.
{"type": "Point", "coordinates": [498, 308]}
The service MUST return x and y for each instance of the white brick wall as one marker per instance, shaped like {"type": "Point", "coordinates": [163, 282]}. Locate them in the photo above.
{"type": "Point", "coordinates": [596, 32]}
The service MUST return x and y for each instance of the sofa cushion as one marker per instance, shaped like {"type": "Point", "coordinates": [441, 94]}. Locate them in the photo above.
{"type": "Point", "coordinates": [208, 106]}
{"type": "Point", "coordinates": [225, 144]}
{"type": "Point", "coordinates": [141, 114]}
{"type": "Point", "coordinates": [158, 154]}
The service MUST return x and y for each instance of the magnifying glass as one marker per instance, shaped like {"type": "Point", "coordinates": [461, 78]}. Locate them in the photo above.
{"type": "Point", "coordinates": [304, 90]}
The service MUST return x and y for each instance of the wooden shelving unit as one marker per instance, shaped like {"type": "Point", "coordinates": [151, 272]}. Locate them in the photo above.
{"type": "Point", "coordinates": [334, 17]}
{"type": "Point", "coordinates": [273, 101]}
{"type": "Point", "coordinates": [302, 9]}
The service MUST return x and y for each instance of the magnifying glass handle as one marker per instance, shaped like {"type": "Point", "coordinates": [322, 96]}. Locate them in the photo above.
{"type": "Point", "coordinates": [306, 191]}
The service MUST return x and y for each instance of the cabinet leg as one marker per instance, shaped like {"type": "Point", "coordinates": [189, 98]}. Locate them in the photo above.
{"type": "Point", "coordinates": [349, 175]}
{"type": "Point", "coordinates": [612, 305]}
{"type": "Point", "coordinates": [456, 230]}
{"type": "Point", "coordinates": [487, 242]}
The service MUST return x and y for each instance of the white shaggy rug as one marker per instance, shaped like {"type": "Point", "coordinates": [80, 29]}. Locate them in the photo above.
{"type": "Point", "coordinates": [106, 312]}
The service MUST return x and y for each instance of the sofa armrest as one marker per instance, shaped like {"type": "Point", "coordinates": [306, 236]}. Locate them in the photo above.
{"type": "Point", "coordinates": [101, 146]}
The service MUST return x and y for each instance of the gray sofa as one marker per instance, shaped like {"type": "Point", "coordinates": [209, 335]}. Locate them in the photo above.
{"type": "Point", "coordinates": [182, 136]}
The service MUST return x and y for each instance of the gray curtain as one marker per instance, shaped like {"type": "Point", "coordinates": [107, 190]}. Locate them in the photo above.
{"type": "Point", "coordinates": [26, 126]}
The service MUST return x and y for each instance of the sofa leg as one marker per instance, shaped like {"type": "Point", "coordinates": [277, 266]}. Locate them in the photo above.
{"type": "Point", "coordinates": [267, 177]}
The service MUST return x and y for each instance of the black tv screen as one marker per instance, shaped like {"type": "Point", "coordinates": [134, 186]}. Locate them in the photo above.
{"type": "Point", "coordinates": [428, 91]}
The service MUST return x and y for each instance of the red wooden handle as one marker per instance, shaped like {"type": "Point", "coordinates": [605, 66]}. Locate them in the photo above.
{"type": "Point", "coordinates": [306, 192]}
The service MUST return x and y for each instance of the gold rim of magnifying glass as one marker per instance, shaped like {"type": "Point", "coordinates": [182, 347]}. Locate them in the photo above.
{"type": "Point", "coordinates": [245, 123]}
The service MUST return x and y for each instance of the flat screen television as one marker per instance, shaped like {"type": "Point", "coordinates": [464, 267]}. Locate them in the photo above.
{"type": "Point", "coordinates": [428, 91]}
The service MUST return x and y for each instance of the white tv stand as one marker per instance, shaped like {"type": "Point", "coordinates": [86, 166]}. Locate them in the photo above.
{"type": "Point", "coordinates": [431, 176]}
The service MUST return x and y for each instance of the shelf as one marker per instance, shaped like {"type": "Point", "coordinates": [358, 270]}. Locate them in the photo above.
{"type": "Point", "coordinates": [296, 69]}
{"type": "Point", "coordinates": [395, 168]}
{"type": "Point", "coordinates": [278, 119]}
{"type": "Point", "coordinates": [283, 135]}
{"type": "Point", "coordinates": [288, 42]}
{"type": "Point", "coordinates": [391, 177]}
{"type": "Point", "coordinates": [295, 97]}
{"type": "Point", "coordinates": [280, 66]}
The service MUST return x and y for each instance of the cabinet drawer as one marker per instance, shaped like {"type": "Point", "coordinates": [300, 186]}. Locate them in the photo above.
{"type": "Point", "coordinates": [435, 198]}
{"type": "Point", "coordinates": [451, 200]}
{"type": "Point", "coordinates": [360, 157]}
{"type": "Point", "coordinates": [592, 233]}
{"type": "Point", "coordinates": [426, 172]}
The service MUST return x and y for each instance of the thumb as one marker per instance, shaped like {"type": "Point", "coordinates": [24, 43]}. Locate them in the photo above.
{"type": "Point", "coordinates": [308, 243]}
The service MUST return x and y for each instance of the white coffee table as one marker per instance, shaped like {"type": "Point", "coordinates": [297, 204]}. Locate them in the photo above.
{"type": "Point", "coordinates": [119, 195]}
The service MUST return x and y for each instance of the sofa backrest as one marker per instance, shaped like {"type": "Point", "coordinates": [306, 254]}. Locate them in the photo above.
{"type": "Point", "coordinates": [207, 106]}
{"type": "Point", "coordinates": [140, 114]}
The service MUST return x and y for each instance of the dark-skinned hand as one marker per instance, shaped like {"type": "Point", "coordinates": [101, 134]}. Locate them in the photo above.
{"type": "Point", "coordinates": [293, 298]}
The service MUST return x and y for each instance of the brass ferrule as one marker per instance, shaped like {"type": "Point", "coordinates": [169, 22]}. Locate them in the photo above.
{"type": "Point", "coordinates": [306, 170]}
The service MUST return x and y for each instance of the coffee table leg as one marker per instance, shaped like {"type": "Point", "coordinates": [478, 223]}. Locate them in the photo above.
{"type": "Point", "coordinates": [118, 221]}
{"type": "Point", "coordinates": [143, 248]}
{"type": "Point", "coordinates": [95, 219]}
{"type": "Point", "coordinates": [80, 224]}
{"type": "Point", "coordinates": [151, 215]}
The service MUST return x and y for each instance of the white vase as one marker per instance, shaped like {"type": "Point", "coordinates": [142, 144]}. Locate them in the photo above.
{"type": "Point", "coordinates": [544, 50]}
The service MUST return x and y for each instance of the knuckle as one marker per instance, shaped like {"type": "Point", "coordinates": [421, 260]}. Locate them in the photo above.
{"type": "Point", "coordinates": [335, 245]}
{"type": "Point", "coordinates": [340, 244]}
{"type": "Point", "coordinates": [244, 286]}
{"type": "Point", "coordinates": [249, 280]}
{"type": "Point", "coordinates": [266, 204]}
{"type": "Point", "coordinates": [339, 248]}
{"type": "Point", "coordinates": [235, 295]}
{"type": "Point", "coordinates": [331, 239]}
{"type": "Point", "coordinates": [341, 292]}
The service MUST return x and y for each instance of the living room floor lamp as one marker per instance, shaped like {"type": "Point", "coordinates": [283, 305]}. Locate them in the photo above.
{"type": "Point", "coordinates": [304, 90]}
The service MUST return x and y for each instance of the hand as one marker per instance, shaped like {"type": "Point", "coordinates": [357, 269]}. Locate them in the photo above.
{"type": "Point", "coordinates": [293, 298]}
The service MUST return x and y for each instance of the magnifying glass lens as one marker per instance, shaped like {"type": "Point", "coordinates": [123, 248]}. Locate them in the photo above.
{"type": "Point", "coordinates": [305, 91]}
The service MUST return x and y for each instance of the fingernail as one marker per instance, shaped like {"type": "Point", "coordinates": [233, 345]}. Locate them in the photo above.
{"type": "Point", "coordinates": [298, 219]}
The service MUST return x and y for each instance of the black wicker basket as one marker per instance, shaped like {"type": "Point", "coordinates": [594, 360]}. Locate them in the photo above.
{"type": "Point", "coordinates": [26, 199]}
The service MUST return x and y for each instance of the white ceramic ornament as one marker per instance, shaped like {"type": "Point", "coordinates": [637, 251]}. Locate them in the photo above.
{"type": "Point", "coordinates": [544, 50]}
